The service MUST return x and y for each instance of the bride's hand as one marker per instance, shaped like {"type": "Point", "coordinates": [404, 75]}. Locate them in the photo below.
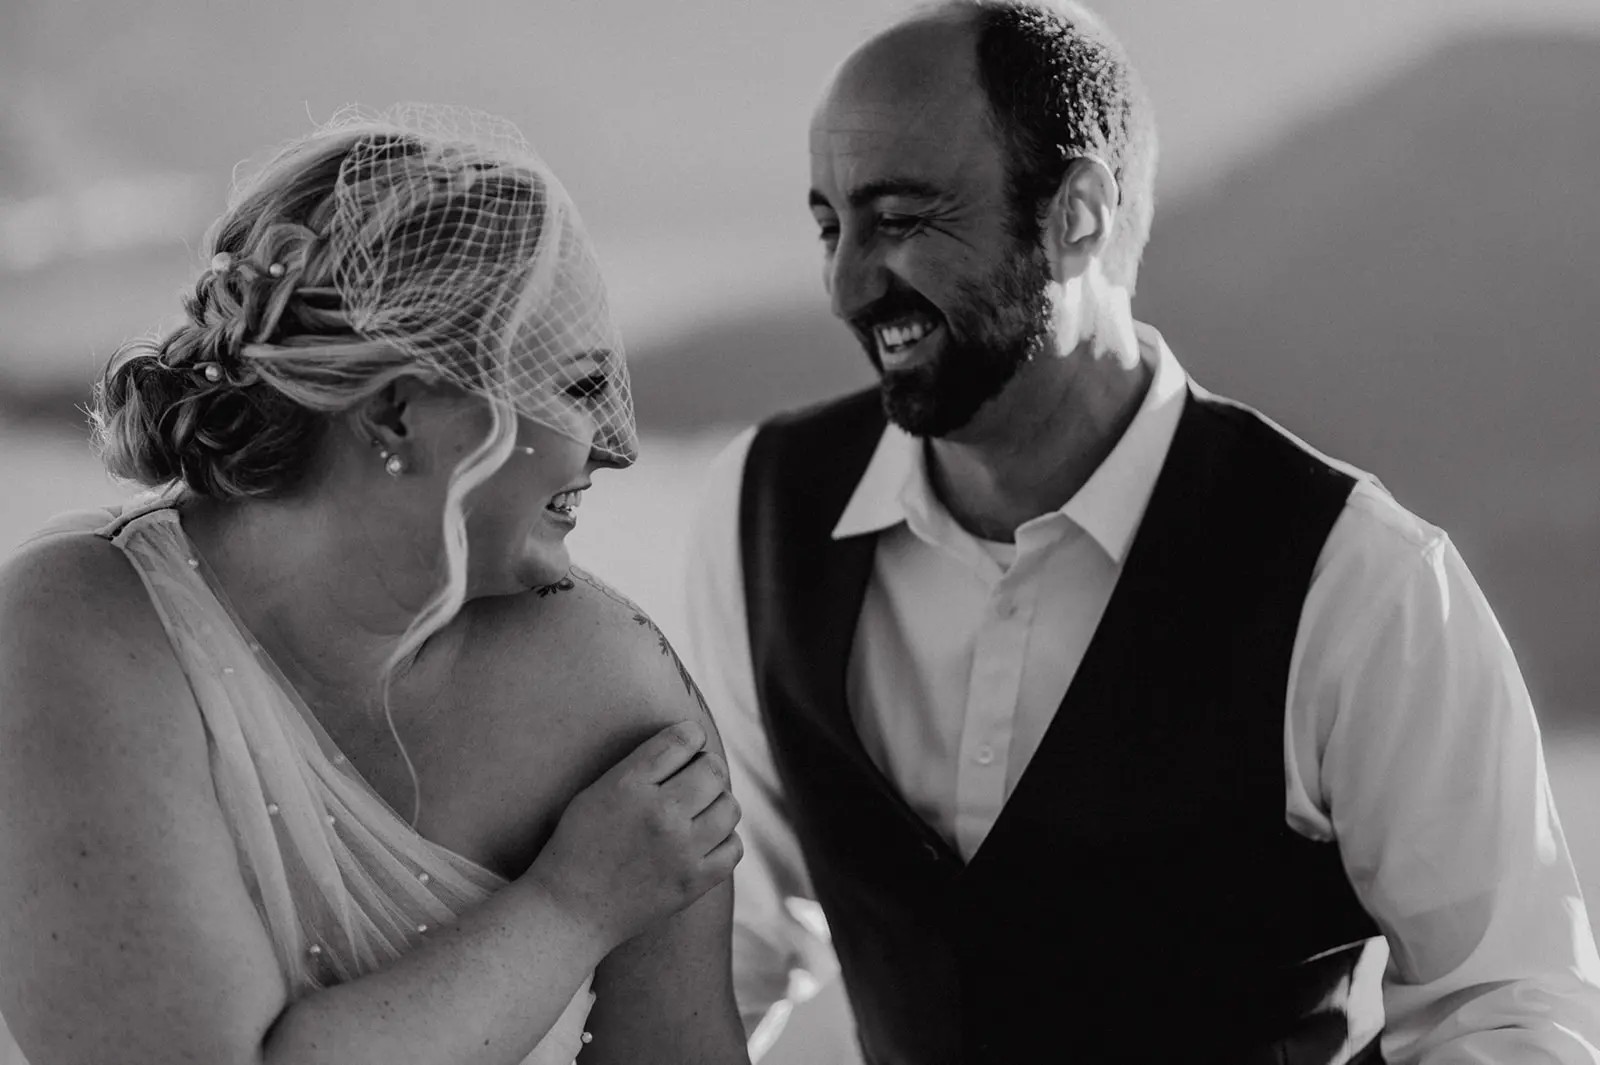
{"type": "Point", "coordinates": [649, 837]}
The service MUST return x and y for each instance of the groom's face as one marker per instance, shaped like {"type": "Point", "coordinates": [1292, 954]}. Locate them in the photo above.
{"type": "Point", "coordinates": [909, 195]}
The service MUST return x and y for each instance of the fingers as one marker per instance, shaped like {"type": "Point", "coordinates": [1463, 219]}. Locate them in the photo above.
{"type": "Point", "coordinates": [668, 751]}
{"type": "Point", "coordinates": [724, 856]}
{"type": "Point", "coordinates": [714, 824]}
{"type": "Point", "coordinates": [697, 785]}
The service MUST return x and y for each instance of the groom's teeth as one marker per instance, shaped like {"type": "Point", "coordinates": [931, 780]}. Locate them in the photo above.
{"type": "Point", "coordinates": [894, 336]}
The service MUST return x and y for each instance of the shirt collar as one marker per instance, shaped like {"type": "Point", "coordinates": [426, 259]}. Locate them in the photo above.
{"type": "Point", "coordinates": [1109, 505]}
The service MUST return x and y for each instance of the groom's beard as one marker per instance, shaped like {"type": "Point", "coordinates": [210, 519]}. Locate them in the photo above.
{"type": "Point", "coordinates": [993, 327]}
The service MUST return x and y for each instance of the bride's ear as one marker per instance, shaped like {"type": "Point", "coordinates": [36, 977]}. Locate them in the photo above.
{"type": "Point", "coordinates": [387, 422]}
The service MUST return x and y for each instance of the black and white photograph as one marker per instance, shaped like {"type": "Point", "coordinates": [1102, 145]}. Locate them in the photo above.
{"type": "Point", "coordinates": [844, 532]}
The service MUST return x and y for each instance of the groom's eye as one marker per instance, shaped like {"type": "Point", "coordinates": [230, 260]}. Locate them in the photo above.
{"type": "Point", "coordinates": [899, 225]}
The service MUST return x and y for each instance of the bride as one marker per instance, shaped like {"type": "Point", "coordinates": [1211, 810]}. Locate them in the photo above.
{"type": "Point", "coordinates": [323, 752]}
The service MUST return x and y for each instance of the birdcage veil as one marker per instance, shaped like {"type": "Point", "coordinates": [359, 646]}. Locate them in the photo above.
{"type": "Point", "coordinates": [455, 243]}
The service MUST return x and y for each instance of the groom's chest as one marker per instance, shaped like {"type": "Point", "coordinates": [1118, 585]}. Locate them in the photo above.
{"type": "Point", "coordinates": [956, 673]}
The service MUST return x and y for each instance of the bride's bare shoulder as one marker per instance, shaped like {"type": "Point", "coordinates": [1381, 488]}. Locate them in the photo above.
{"type": "Point", "coordinates": [591, 651]}
{"type": "Point", "coordinates": [83, 655]}
{"type": "Point", "coordinates": [615, 624]}
{"type": "Point", "coordinates": [562, 682]}
{"type": "Point", "coordinates": [68, 584]}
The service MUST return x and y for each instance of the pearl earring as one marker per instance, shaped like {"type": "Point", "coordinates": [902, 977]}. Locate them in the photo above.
{"type": "Point", "coordinates": [393, 464]}
{"type": "Point", "coordinates": [523, 449]}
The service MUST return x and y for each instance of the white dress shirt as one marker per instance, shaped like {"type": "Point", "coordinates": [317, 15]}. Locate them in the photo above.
{"type": "Point", "coordinates": [1409, 738]}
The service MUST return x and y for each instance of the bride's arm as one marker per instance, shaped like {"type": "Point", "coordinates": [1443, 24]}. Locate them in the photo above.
{"type": "Point", "coordinates": [126, 931]}
{"type": "Point", "coordinates": [664, 997]}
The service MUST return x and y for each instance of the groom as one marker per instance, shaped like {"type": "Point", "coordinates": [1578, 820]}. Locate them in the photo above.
{"type": "Point", "coordinates": [1104, 720]}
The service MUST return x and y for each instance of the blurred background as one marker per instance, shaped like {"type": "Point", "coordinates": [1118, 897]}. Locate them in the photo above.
{"type": "Point", "coordinates": [1378, 222]}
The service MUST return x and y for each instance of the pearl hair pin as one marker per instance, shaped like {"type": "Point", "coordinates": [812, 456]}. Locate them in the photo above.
{"type": "Point", "coordinates": [222, 262]}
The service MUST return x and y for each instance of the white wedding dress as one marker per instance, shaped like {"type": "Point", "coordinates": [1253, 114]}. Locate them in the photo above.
{"type": "Point", "coordinates": [343, 884]}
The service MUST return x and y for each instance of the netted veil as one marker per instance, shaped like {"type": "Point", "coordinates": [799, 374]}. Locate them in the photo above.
{"type": "Point", "coordinates": [455, 243]}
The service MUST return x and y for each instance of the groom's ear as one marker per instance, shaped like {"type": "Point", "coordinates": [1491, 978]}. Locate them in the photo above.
{"type": "Point", "coordinates": [1080, 216]}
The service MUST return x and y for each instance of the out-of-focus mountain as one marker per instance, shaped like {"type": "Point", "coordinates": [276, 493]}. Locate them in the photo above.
{"type": "Point", "coordinates": [745, 366]}
{"type": "Point", "coordinates": [1411, 282]}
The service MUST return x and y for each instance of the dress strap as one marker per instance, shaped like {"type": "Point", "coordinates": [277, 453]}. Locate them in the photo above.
{"type": "Point", "coordinates": [119, 518]}
{"type": "Point", "coordinates": [105, 522]}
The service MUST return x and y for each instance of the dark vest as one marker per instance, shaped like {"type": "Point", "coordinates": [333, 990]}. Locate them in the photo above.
{"type": "Point", "coordinates": [1140, 898]}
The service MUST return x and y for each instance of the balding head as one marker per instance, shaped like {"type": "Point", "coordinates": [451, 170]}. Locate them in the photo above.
{"type": "Point", "coordinates": [915, 81]}
{"type": "Point", "coordinates": [965, 169]}
{"type": "Point", "coordinates": [929, 55]}
{"type": "Point", "coordinates": [1054, 84]}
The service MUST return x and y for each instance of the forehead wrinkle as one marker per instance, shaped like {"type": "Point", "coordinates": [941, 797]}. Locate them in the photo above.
{"type": "Point", "coordinates": [938, 114]}
{"type": "Point", "coordinates": [857, 132]}
{"type": "Point", "coordinates": [851, 105]}
{"type": "Point", "coordinates": [846, 162]}
{"type": "Point", "coordinates": [854, 127]}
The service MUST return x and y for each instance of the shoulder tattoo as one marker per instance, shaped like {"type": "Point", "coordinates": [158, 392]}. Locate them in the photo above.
{"type": "Point", "coordinates": [639, 618]}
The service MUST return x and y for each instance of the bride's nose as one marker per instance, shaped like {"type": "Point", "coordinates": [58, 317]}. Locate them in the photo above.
{"type": "Point", "coordinates": [614, 447]}
{"type": "Point", "coordinates": [606, 458]}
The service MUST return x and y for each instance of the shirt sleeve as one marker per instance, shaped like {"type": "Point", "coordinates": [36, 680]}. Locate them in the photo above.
{"type": "Point", "coordinates": [1413, 744]}
{"type": "Point", "coordinates": [781, 950]}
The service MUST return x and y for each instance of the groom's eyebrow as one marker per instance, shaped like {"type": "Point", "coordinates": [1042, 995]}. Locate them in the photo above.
{"type": "Point", "coordinates": [861, 196]}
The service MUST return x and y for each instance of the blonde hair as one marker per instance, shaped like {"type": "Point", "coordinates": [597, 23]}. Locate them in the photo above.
{"type": "Point", "coordinates": [235, 402]}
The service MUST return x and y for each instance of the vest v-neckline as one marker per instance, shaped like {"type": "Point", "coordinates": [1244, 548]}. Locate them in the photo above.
{"type": "Point", "coordinates": [1166, 494]}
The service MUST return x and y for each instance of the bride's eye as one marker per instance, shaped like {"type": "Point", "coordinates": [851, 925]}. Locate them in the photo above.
{"type": "Point", "coordinates": [588, 388]}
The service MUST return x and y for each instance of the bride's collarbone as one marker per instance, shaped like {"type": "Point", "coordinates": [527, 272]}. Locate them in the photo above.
{"type": "Point", "coordinates": [493, 783]}
{"type": "Point", "coordinates": [496, 718]}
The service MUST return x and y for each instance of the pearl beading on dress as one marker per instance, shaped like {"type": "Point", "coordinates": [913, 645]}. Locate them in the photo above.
{"type": "Point", "coordinates": [314, 950]}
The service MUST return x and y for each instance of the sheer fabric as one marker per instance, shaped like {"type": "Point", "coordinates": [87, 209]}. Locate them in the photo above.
{"type": "Point", "coordinates": [343, 884]}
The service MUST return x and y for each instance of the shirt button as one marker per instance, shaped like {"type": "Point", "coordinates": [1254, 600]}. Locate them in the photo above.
{"type": "Point", "coordinates": [1005, 609]}
{"type": "Point", "coordinates": [983, 755]}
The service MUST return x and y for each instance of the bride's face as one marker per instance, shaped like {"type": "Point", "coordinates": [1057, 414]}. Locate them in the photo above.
{"type": "Point", "coordinates": [518, 520]}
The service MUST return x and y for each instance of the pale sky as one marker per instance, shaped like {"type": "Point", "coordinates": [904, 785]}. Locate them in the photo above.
{"type": "Point", "coordinates": [680, 127]}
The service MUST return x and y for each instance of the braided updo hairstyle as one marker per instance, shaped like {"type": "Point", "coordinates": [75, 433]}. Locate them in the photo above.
{"type": "Point", "coordinates": [233, 402]}
{"type": "Point", "coordinates": [423, 241]}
